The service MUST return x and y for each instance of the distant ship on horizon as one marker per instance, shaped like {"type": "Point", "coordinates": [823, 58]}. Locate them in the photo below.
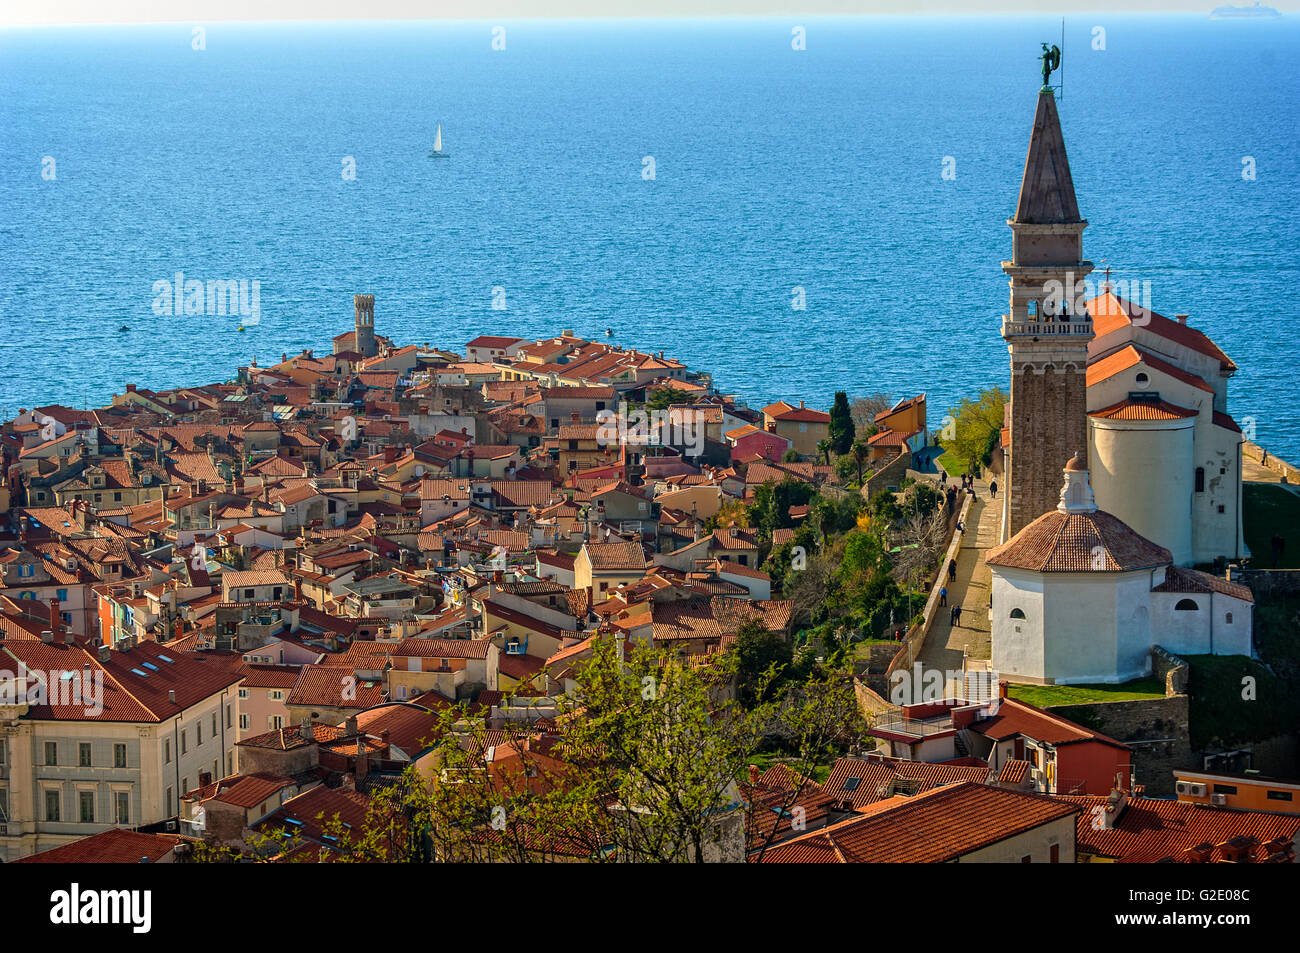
{"type": "Point", "coordinates": [1229, 12]}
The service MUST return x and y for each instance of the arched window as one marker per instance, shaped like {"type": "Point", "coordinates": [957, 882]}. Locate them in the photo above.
{"type": "Point", "coordinates": [1017, 613]}
{"type": "Point", "coordinates": [1142, 378]}
{"type": "Point", "coordinates": [1187, 605]}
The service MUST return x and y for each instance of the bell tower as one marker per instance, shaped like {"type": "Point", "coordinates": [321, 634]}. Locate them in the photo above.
{"type": "Point", "coordinates": [1048, 328]}
{"type": "Point", "coordinates": [365, 325]}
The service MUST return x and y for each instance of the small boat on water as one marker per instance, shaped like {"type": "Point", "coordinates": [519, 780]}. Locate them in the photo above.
{"type": "Point", "coordinates": [437, 152]}
{"type": "Point", "coordinates": [123, 328]}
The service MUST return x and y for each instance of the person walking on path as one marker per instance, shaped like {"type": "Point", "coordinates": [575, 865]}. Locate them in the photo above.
{"type": "Point", "coordinates": [993, 489]}
{"type": "Point", "coordinates": [956, 617]}
{"type": "Point", "coordinates": [952, 570]}
{"type": "Point", "coordinates": [943, 595]}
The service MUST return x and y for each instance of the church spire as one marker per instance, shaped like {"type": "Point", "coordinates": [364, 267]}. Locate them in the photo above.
{"type": "Point", "coordinates": [1046, 189]}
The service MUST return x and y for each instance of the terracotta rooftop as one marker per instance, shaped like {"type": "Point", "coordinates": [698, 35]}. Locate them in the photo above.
{"type": "Point", "coordinates": [1078, 542]}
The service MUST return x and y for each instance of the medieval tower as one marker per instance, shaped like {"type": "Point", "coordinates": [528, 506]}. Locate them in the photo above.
{"type": "Point", "coordinates": [1048, 328]}
{"type": "Point", "coordinates": [365, 332]}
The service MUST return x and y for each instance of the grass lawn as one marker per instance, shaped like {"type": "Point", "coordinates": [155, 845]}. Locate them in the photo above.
{"type": "Point", "coordinates": [1236, 699]}
{"type": "Point", "coordinates": [952, 463]}
{"type": "Point", "coordinates": [1045, 696]}
{"type": "Point", "coordinates": [765, 760]}
{"type": "Point", "coordinates": [1269, 509]}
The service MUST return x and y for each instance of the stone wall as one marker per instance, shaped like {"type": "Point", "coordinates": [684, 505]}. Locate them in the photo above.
{"type": "Point", "coordinates": [891, 474]}
{"type": "Point", "coordinates": [1172, 670]}
{"type": "Point", "coordinates": [1154, 728]}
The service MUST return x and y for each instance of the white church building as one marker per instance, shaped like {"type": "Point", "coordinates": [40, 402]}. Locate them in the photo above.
{"type": "Point", "coordinates": [1079, 596]}
{"type": "Point", "coordinates": [1165, 456]}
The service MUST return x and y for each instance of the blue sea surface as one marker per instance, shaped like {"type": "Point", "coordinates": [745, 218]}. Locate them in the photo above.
{"type": "Point", "coordinates": [775, 169]}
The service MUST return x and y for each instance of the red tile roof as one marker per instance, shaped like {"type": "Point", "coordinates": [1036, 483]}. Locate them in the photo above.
{"type": "Point", "coordinates": [113, 846]}
{"type": "Point", "coordinates": [1078, 542]}
{"type": "Point", "coordinates": [939, 825]}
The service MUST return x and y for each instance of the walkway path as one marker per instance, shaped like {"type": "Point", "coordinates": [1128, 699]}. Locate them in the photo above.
{"type": "Point", "coordinates": [944, 645]}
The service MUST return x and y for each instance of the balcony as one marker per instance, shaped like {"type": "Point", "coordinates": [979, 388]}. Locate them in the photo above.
{"type": "Point", "coordinates": [914, 728]}
{"type": "Point", "coordinates": [1039, 327]}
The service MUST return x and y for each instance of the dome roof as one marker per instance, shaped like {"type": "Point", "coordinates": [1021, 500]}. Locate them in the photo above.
{"type": "Point", "coordinates": [1079, 542]}
{"type": "Point", "coordinates": [1077, 462]}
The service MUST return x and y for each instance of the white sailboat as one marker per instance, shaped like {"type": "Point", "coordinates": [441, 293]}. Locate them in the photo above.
{"type": "Point", "coordinates": [437, 152]}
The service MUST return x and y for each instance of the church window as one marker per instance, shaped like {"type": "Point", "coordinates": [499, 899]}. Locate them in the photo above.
{"type": "Point", "coordinates": [1017, 613]}
{"type": "Point", "coordinates": [1200, 479]}
{"type": "Point", "coordinates": [1186, 605]}
{"type": "Point", "coordinates": [1227, 617]}
{"type": "Point", "coordinates": [1142, 378]}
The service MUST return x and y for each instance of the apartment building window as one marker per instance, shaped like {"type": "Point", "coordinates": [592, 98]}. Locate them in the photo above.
{"type": "Point", "coordinates": [52, 805]}
{"type": "Point", "coordinates": [61, 595]}
{"type": "Point", "coordinates": [274, 721]}
{"type": "Point", "coordinates": [245, 723]}
{"type": "Point", "coordinates": [1055, 853]}
{"type": "Point", "coordinates": [214, 724]}
{"type": "Point", "coordinates": [1225, 789]}
{"type": "Point", "coordinates": [51, 753]}
{"type": "Point", "coordinates": [228, 710]}
{"type": "Point", "coordinates": [119, 756]}
{"type": "Point", "coordinates": [275, 696]}
{"type": "Point", "coordinates": [243, 693]}
{"type": "Point", "coordinates": [169, 802]}
{"type": "Point", "coordinates": [185, 786]}
{"type": "Point", "coordinates": [4, 804]}
{"type": "Point", "coordinates": [86, 806]}
{"type": "Point", "coordinates": [83, 754]}
{"type": "Point", "coordinates": [185, 743]}
{"type": "Point", "coordinates": [1278, 795]}
{"type": "Point", "coordinates": [167, 751]}
{"type": "Point", "coordinates": [2, 751]}
{"type": "Point", "coordinates": [122, 807]}
{"type": "Point", "coordinates": [198, 733]}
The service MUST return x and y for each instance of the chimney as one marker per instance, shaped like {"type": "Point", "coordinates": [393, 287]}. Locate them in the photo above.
{"type": "Point", "coordinates": [130, 388]}
{"type": "Point", "coordinates": [1002, 688]}
{"type": "Point", "coordinates": [56, 620]}
{"type": "Point", "coordinates": [47, 636]}
{"type": "Point", "coordinates": [22, 529]}
{"type": "Point", "coordinates": [350, 726]}
{"type": "Point", "coordinates": [306, 732]}
{"type": "Point", "coordinates": [363, 760]}
{"type": "Point", "coordinates": [1181, 318]}
{"type": "Point", "coordinates": [801, 405]}
{"type": "Point", "coordinates": [105, 652]}
{"type": "Point", "coordinates": [171, 695]}
{"type": "Point", "coordinates": [753, 774]}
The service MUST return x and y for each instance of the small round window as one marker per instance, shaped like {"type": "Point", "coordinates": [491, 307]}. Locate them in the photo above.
{"type": "Point", "coordinates": [1017, 613]}
{"type": "Point", "coordinates": [1142, 378]}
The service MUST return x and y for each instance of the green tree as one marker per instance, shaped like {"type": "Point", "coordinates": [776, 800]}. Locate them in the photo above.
{"type": "Point", "coordinates": [977, 425]}
{"type": "Point", "coordinates": [824, 450]}
{"type": "Point", "coordinates": [840, 429]}
{"type": "Point", "coordinates": [860, 451]}
{"type": "Point", "coordinates": [763, 660]}
{"type": "Point", "coordinates": [666, 396]}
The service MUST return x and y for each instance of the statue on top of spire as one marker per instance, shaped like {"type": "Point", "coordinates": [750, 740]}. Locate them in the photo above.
{"type": "Point", "coordinates": [1051, 59]}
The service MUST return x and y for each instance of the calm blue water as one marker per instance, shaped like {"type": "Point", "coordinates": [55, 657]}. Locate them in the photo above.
{"type": "Point", "coordinates": [774, 168]}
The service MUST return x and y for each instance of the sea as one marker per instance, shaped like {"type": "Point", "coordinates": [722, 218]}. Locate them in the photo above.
{"type": "Point", "coordinates": [796, 205]}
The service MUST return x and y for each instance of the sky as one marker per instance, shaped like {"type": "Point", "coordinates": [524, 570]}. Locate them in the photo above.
{"type": "Point", "coordinates": [58, 12]}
